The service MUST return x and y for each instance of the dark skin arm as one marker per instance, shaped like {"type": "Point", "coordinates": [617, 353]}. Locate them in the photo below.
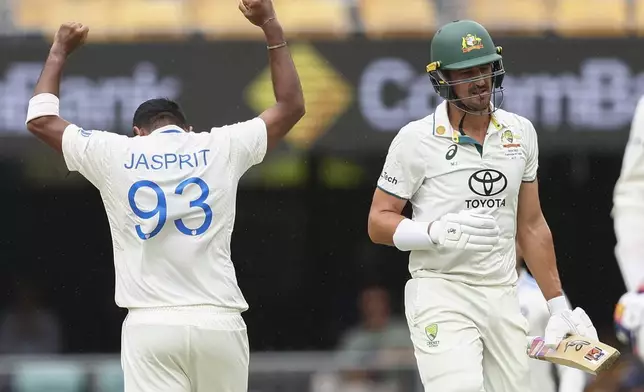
{"type": "Point", "coordinates": [289, 107]}
{"type": "Point", "coordinates": [535, 241]}
{"type": "Point", "coordinates": [69, 37]}
{"type": "Point", "coordinates": [384, 216]}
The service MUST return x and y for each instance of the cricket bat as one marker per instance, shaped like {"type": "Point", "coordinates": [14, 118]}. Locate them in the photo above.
{"type": "Point", "coordinates": [588, 355]}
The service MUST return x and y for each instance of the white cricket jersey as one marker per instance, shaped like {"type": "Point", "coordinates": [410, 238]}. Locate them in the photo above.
{"type": "Point", "coordinates": [542, 374]}
{"type": "Point", "coordinates": [628, 205]}
{"type": "Point", "coordinates": [170, 202]}
{"type": "Point", "coordinates": [440, 171]}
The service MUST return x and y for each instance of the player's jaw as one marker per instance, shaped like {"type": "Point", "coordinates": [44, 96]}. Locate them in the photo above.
{"type": "Point", "coordinates": [475, 96]}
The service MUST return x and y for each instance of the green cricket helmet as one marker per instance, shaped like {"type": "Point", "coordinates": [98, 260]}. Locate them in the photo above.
{"type": "Point", "coordinates": [460, 45]}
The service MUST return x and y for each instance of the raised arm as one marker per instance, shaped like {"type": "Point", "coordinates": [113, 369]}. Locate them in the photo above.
{"type": "Point", "coordinates": [289, 106]}
{"type": "Point", "coordinates": [43, 119]}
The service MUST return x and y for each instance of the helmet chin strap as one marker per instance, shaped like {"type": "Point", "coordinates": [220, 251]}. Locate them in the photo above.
{"type": "Point", "coordinates": [468, 110]}
{"type": "Point", "coordinates": [460, 124]}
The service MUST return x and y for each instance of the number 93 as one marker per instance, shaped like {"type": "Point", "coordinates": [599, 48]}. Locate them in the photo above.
{"type": "Point", "coordinates": [161, 207]}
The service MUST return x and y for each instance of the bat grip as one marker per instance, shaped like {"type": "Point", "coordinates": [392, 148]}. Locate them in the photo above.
{"type": "Point", "coordinates": [536, 347]}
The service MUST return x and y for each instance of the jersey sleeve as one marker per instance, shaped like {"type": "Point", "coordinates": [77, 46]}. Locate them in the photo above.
{"type": "Point", "coordinates": [629, 186]}
{"type": "Point", "coordinates": [248, 143]}
{"type": "Point", "coordinates": [628, 210]}
{"type": "Point", "coordinates": [88, 152]}
{"type": "Point", "coordinates": [531, 146]}
{"type": "Point", "coordinates": [404, 169]}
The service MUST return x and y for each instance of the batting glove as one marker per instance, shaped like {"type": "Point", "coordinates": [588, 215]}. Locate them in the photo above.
{"type": "Point", "coordinates": [629, 317]}
{"type": "Point", "coordinates": [466, 230]}
{"type": "Point", "coordinates": [564, 322]}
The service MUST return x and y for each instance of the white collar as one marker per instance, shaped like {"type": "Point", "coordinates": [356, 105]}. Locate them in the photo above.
{"type": "Point", "coordinates": [169, 129]}
{"type": "Point", "coordinates": [443, 128]}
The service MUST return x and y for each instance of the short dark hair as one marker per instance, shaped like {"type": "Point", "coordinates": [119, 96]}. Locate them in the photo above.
{"type": "Point", "coordinates": [158, 110]}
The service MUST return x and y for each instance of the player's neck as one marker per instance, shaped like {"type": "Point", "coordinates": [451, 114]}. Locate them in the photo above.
{"type": "Point", "coordinates": [474, 125]}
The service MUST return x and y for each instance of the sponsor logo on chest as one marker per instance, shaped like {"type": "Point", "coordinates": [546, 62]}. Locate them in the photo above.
{"type": "Point", "coordinates": [486, 184]}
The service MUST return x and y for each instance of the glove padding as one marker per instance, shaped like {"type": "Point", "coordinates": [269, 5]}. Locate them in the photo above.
{"type": "Point", "coordinates": [466, 230]}
{"type": "Point", "coordinates": [629, 321]}
{"type": "Point", "coordinates": [629, 317]}
{"type": "Point", "coordinates": [568, 322]}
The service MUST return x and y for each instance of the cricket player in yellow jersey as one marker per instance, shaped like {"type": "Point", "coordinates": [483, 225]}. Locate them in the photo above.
{"type": "Point", "coordinates": [470, 172]}
{"type": "Point", "coordinates": [169, 195]}
{"type": "Point", "coordinates": [628, 218]}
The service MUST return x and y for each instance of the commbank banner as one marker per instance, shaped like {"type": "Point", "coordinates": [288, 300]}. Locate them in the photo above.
{"type": "Point", "coordinates": [580, 94]}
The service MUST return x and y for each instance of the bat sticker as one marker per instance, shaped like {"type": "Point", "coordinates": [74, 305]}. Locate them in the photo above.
{"type": "Point", "coordinates": [594, 354]}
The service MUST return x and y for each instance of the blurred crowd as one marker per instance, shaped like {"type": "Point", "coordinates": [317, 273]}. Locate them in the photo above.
{"type": "Point", "coordinates": [216, 18]}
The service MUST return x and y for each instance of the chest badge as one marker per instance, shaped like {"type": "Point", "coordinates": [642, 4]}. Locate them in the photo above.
{"type": "Point", "coordinates": [511, 144]}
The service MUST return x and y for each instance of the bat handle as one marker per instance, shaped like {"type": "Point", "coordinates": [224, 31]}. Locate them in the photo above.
{"type": "Point", "coordinates": [531, 339]}
{"type": "Point", "coordinates": [536, 347]}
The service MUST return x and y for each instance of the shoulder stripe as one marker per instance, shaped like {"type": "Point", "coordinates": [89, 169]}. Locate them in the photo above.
{"type": "Point", "coordinates": [390, 193]}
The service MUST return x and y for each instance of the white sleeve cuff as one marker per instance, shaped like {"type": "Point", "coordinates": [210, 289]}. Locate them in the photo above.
{"type": "Point", "coordinates": [558, 304]}
{"type": "Point", "coordinates": [262, 146]}
{"type": "Point", "coordinates": [412, 235]}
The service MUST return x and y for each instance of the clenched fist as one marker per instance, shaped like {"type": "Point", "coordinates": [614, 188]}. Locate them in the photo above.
{"type": "Point", "coordinates": [257, 11]}
{"type": "Point", "coordinates": [70, 36]}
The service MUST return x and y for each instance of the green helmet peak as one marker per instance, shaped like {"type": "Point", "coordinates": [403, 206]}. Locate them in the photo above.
{"type": "Point", "coordinates": [460, 45]}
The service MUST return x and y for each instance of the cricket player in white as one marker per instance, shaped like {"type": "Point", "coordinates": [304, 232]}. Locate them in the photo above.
{"type": "Point", "coordinates": [535, 309]}
{"type": "Point", "coordinates": [169, 196]}
{"type": "Point", "coordinates": [470, 173]}
{"type": "Point", "coordinates": [628, 218]}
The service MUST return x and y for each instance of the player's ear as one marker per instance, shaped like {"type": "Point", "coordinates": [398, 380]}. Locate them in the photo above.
{"type": "Point", "coordinates": [137, 131]}
{"type": "Point", "coordinates": [190, 128]}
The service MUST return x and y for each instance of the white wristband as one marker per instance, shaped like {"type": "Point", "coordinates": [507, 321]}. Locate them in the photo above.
{"type": "Point", "coordinates": [435, 230]}
{"type": "Point", "coordinates": [41, 105]}
{"type": "Point", "coordinates": [412, 235]}
{"type": "Point", "coordinates": [558, 304]}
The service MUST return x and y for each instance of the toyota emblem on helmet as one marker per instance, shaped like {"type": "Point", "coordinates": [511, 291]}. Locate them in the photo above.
{"type": "Point", "coordinates": [488, 182]}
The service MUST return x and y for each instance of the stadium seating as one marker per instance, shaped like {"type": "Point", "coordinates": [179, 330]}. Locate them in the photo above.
{"type": "Point", "coordinates": [47, 15]}
{"type": "Point", "coordinates": [217, 18]}
{"type": "Point", "coordinates": [107, 19]}
{"type": "Point", "coordinates": [525, 16]}
{"type": "Point", "coordinates": [382, 18]}
{"type": "Point", "coordinates": [638, 17]}
{"type": "Point", "coordinates": [29, 14]}
{"type": "Point", "coordinates": [149, 17]}
{"type": "Point", "coordinates": [590, 17]}
{"type": "Point", "coordinates": [315, 17]}
{"type": "Point", "coordinates": [52, 376]}
{"type": "Point", "coordinates": [220, 19]}
{"type": "Point", "coordinates": [310, 17]}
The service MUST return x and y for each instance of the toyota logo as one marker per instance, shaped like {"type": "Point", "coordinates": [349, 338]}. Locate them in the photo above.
{"type": "Point", "coordinates": [488, 182]}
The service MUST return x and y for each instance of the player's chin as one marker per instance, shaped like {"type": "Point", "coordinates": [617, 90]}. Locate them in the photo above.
{"type": "Point", "coordinates": [479, 103]}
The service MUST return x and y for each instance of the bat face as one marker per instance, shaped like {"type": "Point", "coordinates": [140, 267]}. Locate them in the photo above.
{"type": "Point", "coordinates": [575, 351]}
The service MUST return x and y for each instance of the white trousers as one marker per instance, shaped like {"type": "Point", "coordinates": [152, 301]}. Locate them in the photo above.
{"type": "Point", "coordinates": [467, 338]}
{"type": "Point", "coordinates": [184, 349]}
